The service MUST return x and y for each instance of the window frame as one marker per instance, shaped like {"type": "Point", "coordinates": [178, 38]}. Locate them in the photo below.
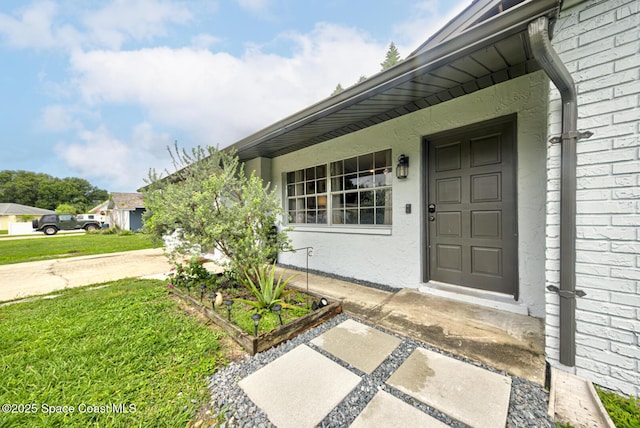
{"type": "Point", "coordinates": [365, 179]}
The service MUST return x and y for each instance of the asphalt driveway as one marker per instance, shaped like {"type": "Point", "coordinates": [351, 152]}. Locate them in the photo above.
{"type": "Point", "coordinates": [32, 278]}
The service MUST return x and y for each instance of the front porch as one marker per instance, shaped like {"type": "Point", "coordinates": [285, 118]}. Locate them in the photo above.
{"type": "Point", "coordinates": [504, 340]}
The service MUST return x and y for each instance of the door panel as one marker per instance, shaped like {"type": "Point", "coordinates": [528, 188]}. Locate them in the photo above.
{"type": "Point", "coordinates": [472, 234]}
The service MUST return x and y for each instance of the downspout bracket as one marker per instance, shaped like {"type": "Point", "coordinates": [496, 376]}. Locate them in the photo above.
{"type": "Point", "coordinates": [566, 293]}
{"type": "Point", "coordinates": [574, 134]}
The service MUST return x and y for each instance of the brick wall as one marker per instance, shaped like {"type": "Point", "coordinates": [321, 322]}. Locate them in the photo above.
{"type": "Point", "coordinates": [599, 42]}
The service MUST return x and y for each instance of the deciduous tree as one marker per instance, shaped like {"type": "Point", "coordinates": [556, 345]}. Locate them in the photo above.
{"type": "Point", "coordinates": [209, 202]}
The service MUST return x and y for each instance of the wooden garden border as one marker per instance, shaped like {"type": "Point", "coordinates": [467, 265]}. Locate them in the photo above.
{"type": "Point", "coordinates": [264, 341]}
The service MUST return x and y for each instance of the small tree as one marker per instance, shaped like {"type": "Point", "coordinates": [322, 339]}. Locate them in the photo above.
{"type": "Point", "coordinates": [337, 90]}
{"type": "Point", "coordinates": [391, 58]}
{"type": "Point", "coordinates": [66, 209]}
{"type": "Point", "coordinates": [210, 203]}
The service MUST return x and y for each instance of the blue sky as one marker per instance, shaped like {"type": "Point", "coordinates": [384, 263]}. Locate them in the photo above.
{"type": "Point", "coordinates": [99, 89]}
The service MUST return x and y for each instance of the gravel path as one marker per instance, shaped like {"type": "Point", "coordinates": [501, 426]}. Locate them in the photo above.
{"type": "Point", "coordinates": [527, 408]}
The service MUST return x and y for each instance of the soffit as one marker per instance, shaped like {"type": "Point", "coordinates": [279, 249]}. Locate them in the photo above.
{"type": "Point", "coordinates": [486, 54]}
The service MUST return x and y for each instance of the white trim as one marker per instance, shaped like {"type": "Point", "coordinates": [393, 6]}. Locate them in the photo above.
{"type": "Point", "coordinates": [345, 230]}
{"type": "Point", "coordinates": [489, 299]}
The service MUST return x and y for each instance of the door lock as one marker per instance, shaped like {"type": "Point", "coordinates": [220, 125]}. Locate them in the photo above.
{"type": "Point", "coordinates": [432, 218]}
{"type": "Point", "coordinates": [432, 208]}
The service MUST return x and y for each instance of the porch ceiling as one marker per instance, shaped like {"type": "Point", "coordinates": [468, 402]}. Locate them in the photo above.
{"type": "Point", "coordinates": [483, 55]}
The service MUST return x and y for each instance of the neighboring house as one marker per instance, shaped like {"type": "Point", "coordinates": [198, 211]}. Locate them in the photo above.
{"type": "Point", "coordinates": [506, 202]}
{"type": "Point", "coordinates": [123, 210]}
{"type": "Point", "coordinates": [16, 213]}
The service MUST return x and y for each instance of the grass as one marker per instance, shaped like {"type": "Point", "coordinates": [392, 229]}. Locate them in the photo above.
{"type": "Point", "coordinates": [28, 250]}
{"type": "Point", "coordinates": [241, 314]}
{"type": "Point", "coordinates": [624, 411]}
{"type": "Point", "coordinates": [125, 349]}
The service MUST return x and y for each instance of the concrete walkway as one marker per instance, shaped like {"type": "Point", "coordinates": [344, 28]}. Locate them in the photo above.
{"type": "Point", "coordinates": [463, 392]}
{"type": "Point", "coordinates": [509, 342]}
{"type": "Point", "coordinates": [504, 340]}
{"type": "Point", "coordinates": [26, 279]}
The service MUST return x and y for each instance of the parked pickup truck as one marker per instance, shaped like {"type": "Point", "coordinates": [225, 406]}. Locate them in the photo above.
{"type": "Point", "coordinates": [50, 224]}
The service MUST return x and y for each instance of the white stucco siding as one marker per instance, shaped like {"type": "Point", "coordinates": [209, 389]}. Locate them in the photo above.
{"type": "Point", "coordinates": [395, 256]}
{"type": "Point", "coordinates": [599, 42]}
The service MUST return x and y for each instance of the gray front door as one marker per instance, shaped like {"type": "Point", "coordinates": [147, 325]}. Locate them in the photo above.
{"type": "Point", "coordinates": [472, 207]}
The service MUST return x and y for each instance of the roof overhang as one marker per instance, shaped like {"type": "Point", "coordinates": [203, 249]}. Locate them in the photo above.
{"type": "Point", "coordinates": [472, 58]}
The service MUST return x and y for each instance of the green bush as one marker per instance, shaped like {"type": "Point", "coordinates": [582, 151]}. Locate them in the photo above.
{"type": "Point", "coordinates": [624, 411]}
{"type": "Point", "coordinates": [191, 275]}
{"type": "Point", "coordinates": [113, 230]}
{"type": "Point", "coordinates": [209, 203]}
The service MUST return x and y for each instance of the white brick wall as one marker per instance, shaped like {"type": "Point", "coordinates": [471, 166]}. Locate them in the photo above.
{"type": "Point", "coordinates": [599, 42]}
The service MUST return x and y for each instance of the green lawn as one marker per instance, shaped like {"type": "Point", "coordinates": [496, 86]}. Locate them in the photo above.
{"type": "Point", "coordinates": [28, 250]}
{"type": "Point", "coordinates": [125, 352]}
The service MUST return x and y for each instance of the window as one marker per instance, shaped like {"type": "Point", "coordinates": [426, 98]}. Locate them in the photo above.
{"type": "Point", "coordinates": [307, 195]}
{"type": "Point", "coordinates": [357, 191]}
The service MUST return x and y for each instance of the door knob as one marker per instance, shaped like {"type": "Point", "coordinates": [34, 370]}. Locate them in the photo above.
{"type": "Point", "coordinates": [432, 218]}
{"type": "Point", "coordinates": [432, 208]}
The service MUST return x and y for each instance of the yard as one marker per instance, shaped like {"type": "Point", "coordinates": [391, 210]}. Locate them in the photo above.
{"type": "Point", "coordinates": [120, 355]}
{"type": "Point", "coordinates": [34, 249]}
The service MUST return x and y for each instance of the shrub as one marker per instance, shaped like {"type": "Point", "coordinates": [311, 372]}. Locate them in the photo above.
{"type": "Point", "coordinates": [624, 411]}
{"type": "Point", "coordinates": [209, 203]}
{"type": "Point", "coordinates": [267, 291]}
{"type": "Point", "coordinates": [191, 274]}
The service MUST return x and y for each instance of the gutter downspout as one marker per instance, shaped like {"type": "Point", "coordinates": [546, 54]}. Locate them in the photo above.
{"type": "Point", "coordinates": [561, 78]}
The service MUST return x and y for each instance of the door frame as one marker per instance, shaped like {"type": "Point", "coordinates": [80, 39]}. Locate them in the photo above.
{"type": "Point", "coordinates": [424, 187]}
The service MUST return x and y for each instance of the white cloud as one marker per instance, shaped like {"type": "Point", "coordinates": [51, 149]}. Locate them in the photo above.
{"type": "Point", "coordinates": [39, 25]}
{"type": "Point", "coordinates": [34, 28]}
{"type": "Point", "coordinates": [119, 165]}
{"type": "Point", "coordinates": [205, 97]}
{"type": "Point", "coordinates": [136, 20]}
{"type": "Point", "coordinates": [255, 6]}
{"type": "Point", "coordinates": [204, 41]}
{"type": "Point", "coordinates": [59, 118]}
{"type": "Point", "coordinates": [424, 22]}
{"type": "Point", "coordinates": [219, 98]}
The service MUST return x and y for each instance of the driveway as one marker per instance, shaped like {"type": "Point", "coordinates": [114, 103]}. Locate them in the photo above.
{"type": "Point", "coordinates": [27, 279]}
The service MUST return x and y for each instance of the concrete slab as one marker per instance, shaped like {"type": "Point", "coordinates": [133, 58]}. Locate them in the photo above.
{"type": "Point", "coordinates": [507, 341]}
{"type": "Point", "coordinates": [385, 410]}
{"type": "Point", "coordinates": [355, 298]}
{"type": "Point", "coordinates": [34, 278]}
{"type": "Point", "coordinates": [469, 394]}
{"type": "Point", "coordinates": [364, 347]}
{"type": "Point", "coordinates": [300, 388]}
{"type": "Point", "coordinates": [575, 400]}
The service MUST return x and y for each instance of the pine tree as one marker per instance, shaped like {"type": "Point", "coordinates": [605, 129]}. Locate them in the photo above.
{"type": "Point", "coordinates": [337, 90]}
{"type": "Point", "coordinates": [392, 57]}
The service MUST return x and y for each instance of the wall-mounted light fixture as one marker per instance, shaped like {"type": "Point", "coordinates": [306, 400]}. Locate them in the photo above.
{"type": "Point", "coordinates": [402, 170]}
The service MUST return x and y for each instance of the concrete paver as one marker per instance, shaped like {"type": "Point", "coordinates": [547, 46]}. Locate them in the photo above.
{"type": "Point", "coordinates": [385, 410]}
{"type": "Point", "coordinates": [469, 394]}
{"type": "Point", "coordinates": [363, 347]}
{"type": "Point", "coordinates": [300, 388]}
